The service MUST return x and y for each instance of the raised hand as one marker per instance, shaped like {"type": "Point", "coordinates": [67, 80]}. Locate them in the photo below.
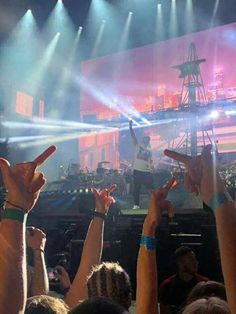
{"type": "Point", "coordinates": [35, 238]}
{"type": "Point", "coordinates": [23, 181]}
{"type": "Point", "coordinates": [103, 199]}
{"type": "Point", "coordinates": [63, 277]}
{"type": "Point", "coordinates": [201, 176]}
{"type": "Point", "coordinates": [159, 203]}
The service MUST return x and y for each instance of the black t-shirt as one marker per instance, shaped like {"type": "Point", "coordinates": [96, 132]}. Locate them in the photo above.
{"type": "Point", "coordinates": [174, 291]}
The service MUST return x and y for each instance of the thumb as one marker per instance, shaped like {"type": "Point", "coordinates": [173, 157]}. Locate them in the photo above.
{"type": "Point", "coordinates": [5, 168]}
{"type": "Point", "coordinates": [206, 155]}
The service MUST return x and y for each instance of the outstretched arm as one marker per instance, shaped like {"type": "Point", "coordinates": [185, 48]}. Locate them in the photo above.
{"type": "Point", "coordinates": [146, 297]}
{"type": "Point", "coordinates": [92, 250]}
{"type": "Point", "coordinates": [36, 240]}
{"type": "Point", "coordinates": [24, 185]}
{"type": "Point", "coordinates": [203, 178]}
{"type": "Point", "coordinates": [133, 136]}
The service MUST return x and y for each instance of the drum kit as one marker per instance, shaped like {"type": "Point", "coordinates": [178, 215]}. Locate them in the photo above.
{"type": "Point", "coordinates": [75, 178]}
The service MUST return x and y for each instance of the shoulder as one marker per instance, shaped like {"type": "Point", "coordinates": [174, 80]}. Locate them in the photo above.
{"type": "Point", "coordinates": [201, 278]}
{"type": "Point", "coordinates": [167, 281]}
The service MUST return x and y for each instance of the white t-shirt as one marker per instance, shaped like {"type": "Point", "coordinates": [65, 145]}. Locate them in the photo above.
{"type": "Point", "coordinates": [142, 158]}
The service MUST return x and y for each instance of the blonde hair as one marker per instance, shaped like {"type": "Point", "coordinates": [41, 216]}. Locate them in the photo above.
{"type": "Point", "coordinates": [44, 304]}
{"type": "Point", "coordinates": [111, 281]}
{"type": "Point", "coordinates": [211, 305]}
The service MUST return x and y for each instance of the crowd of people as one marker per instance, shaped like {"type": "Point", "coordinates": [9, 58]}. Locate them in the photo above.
{"type": "Point", "coordinates": [104, 287]}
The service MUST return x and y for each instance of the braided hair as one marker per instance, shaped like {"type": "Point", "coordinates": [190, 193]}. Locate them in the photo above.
{"type": "Point", "coordinates": [110, 280]}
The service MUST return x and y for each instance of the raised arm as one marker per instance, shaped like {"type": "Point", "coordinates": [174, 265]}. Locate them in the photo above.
{"type": "Point", "coordinates": [92, 250]}
{"type": "Point", "coordinates": [133, 136]}
{"type": "Point", "coordinates": [203, 178]}
{"type": "Point", "coordinates": [36, 240]}
{"type": "Point", "coordinates": [23, 183]}
{"type": "Point", "coordinates": [147, 295]}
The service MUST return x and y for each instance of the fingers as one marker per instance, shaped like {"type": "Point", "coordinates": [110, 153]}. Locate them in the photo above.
{"type": "Point", "coordinates": [189, 183]}
{"type": "Point", "coordinates": [38, 182]}
{"type": "Point", "coordinates": [172, 183]}
{"type": "Point", "coordinates": [206, 154]}
{"type": "Point", "coordinates": [111, 188]}
{"type": "Point", "coordinates": [44, 156]}
{"type": "Point", "coordinates": [5, 168]}
{"type": "Point", "coordinates": [178, 157]}
{"type": "Point", "coordinates": [170, 209]}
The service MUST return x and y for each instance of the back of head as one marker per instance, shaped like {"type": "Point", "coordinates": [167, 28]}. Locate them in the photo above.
{"type": "Point", "coordinates": [207, 306]}
{"type": "Point", "coordinates": [44, 304]}
{"type": "Point", "coordinates": [111, 281]}
{"type": "Point", "coordinates": [97, 306]}
{"type": "Point", "coordinates": [207, 289]}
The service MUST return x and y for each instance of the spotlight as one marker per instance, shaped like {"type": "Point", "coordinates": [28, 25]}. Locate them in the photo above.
{"type": "Point", "coordinates": [28, 11]}
{"type": "Point", "coordinates": [130, 13]}
{"type": "Point", "coordinates": [80, 28]}
{"type": "Point", "coordinates": [59, 1]}
{"type": "Point", "coordinates": [58, 34]}
{"type": "Point", "coordinates": [103, 21]}
{"type": "Point", "coordinates": [214, 114]}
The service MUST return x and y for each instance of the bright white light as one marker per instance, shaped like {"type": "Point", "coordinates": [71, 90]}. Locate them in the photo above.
{"type": "Point", "coordinates": [80, 28]}
{"type": "Point", "coordinates": [29, 11]}
{"type": "Point", "coordinates": [214, 114]}
{"type": "Point", "coordinates": [130, 13]}
{"type": "Point", "coordinates": [230, 112]}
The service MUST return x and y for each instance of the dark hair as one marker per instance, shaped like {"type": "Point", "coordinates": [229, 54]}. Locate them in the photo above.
{"type": "Point", "coordinates": [44, 304]}
{"type": "Point", "coordinates": [111, 281]}
{"type": "Point", "coordinates": [207, 289]}
{"type": "Point", "coordinates": [181, 252]}
{"type": "Point", "coordinates": [98, 305]}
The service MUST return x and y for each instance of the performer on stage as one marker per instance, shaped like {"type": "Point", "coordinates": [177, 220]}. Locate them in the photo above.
{"type": "Point", "coordinates": [142, 165]}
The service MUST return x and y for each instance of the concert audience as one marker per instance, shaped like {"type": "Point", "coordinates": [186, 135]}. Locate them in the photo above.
{"type": "Point", "coordinates": [37, 277]}
{"type": "Point", "coordinates": [24, 183]}
{"type": "Point", "coordinates": [202, 178]}
{"type": "Point", "coordinates": [175, 289]}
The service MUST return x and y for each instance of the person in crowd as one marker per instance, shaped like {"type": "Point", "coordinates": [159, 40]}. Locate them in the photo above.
{"type": "Point", "coordinates": [211, 305]}
{"type": "Point", "coordinates": [142, 165]}
{"type": "Point", "coordinates": [147, 294]}
{"type": "Point", "coordinates": [98, 305]}
{"type": "Point", "coordinates": [44, 304]}
{"type": "Point", "coordinates": [92, 249]}
{"type": "Point", "coordinates": [175, 289]}
{"type": "Point", "coordinates": [207, 289]}
{"type": "Point", "coordinates": [202, 178]}
{"type": "Point", "coordinates": [37, 277]}
{"type": "Point", "coordinates": [110, 280]}
{"type": "Point", "coordinates": [24, 184]}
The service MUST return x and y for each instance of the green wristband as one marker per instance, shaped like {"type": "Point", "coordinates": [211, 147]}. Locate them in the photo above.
{"type": "Point", "coordinates": [14, 214]}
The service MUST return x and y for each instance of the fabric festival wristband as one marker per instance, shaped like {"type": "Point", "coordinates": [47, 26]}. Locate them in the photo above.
{"type": "Point", "coordinates": [100, 215]}
{"type": "Point", "coordinates": [219, 199]}
{"type": "Point", "coordinates": [148, 242]}
{"type": "Point", "coordinates": [14, 214]}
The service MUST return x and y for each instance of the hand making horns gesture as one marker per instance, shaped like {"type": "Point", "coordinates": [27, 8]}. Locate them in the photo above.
{"type": "Point", "coordinates": [23, 181]}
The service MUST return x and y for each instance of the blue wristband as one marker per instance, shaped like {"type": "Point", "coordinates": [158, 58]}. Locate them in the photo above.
{"type": "Point", "coordinates": [148, 242]}
{"type": "Point", "coordinates": [219, 199]}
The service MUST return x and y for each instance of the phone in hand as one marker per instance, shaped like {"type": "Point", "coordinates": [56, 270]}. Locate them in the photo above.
{"type": "Point", "coordinates": [51, 274]}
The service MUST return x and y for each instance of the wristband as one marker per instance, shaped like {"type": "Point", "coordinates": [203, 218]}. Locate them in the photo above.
{"type": "Point", "coordinates": [103, 216]}
{"type": "Point", "coordinates": [148, 242]}
{"type": "Point", "coordinates": [14, 214]}
{"type": "Point", "coordinates": [219, 199]}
